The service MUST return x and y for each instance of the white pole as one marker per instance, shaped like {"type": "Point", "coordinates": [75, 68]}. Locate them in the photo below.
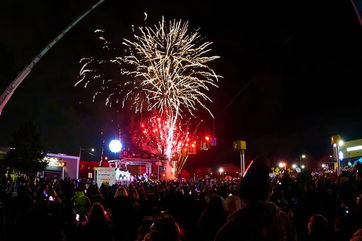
{"type": "Point", "coordinates": [4, 98]}
{"type": "Point", "coordinates": [338, 161]}
{"type": "Point", "coordinates": [63, 173]}
{"type": "Point", "coordinates": [242, 162]}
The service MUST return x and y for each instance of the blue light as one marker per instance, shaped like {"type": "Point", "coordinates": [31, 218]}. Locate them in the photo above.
{"type": "Point", "coordinates": [360, 160]}
{"type": "Point", "coordinates": [115, 146]}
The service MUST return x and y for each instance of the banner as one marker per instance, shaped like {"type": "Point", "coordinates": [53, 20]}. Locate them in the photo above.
{"type": "Point", "coordinates": [105, 175]}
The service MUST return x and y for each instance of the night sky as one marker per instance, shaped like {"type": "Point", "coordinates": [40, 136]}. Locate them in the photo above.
{"type": "Point", "coordinates": [292, 72]}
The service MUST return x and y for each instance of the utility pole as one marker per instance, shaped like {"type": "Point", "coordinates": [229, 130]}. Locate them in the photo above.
{"type": "Point", "coordinates": [240, 146]}
{"type": "Point", "coordinates": [337, 142]}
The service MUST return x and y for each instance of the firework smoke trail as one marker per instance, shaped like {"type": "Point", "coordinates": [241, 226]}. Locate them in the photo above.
{"type": "Point", "coordinates": [165, 70]}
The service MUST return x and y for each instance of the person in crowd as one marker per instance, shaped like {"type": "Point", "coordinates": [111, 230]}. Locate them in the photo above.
{"type": "Point", "coordinates": [164, 228]}
{"type": "Point", "coordinates": [232, 204]}
{"type": "Point", "coordinates": [272, 207]}
{"type": "Point", "coordinates": [144, 228]}
{"type": "Point", "coordinates": [357, 236]}
{"type": "Point", "coordinates": [356, 215]}
{"type": "Point", "coordinates": [317, 228]}
{"type": "Point", "coordinates": [125, 215]}
{"type": "Point", "coordinates": [342, 228]}
{"type": "Point", "coordinates": [81, 203]}
{"type": "Point", "coordinates": [211, 219]}
{"type": "Point", "coordinates": [98, 225]}
{"type": "Point", "coordinates": [259, 219]}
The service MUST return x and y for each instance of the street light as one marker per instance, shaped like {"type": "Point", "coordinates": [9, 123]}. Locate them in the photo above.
{"type": "Point", "coordinates": [338, 155]}
{"type": "Point", "coordinates": [115, 146]}
{"type": "Point", "coordinates": [340, 143]}
{"type": "Point", "coordinates": [303, 156]}
{"type": "Point", "coordinates": [282, 164]}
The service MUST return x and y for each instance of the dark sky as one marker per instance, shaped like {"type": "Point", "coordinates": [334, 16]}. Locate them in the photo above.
{"type": "Point", "coordinates": [292, 72]}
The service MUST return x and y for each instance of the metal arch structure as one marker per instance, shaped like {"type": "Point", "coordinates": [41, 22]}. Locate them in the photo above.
{"type": "Point", "coordinates": [9, 91]}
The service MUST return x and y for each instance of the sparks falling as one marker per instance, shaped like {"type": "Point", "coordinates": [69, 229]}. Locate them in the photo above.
{"type": "Point", "coordinates": [164, 70]}
{"type": "Point", "coordinates": [151, 135]}
{"type": "Point", "coordinates": [169, 64]}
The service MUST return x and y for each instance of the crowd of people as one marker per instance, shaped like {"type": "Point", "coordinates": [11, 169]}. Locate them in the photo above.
{"type": "Point", "coordinates": [286, 207]}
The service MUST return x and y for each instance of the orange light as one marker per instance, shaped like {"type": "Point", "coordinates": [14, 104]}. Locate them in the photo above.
{"type": "Point", "coordinates": [193, 145]}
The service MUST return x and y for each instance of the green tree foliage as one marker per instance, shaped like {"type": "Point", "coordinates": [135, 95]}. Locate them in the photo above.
{"type": "Point", "coordinates": [28, 153]}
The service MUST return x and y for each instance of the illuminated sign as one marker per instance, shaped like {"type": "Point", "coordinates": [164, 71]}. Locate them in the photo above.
{"type": "Point", "coordinates": [354, 148]}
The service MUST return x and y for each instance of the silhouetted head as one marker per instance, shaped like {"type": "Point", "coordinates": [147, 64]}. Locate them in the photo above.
{"type": "Point", "coordinates": [121, 191]}
{"type": "Point", "coordinates": [232, 204]}
{"type": "Point", "coordinates": [164, 228]}
{"type": "Point", "coordinates": [357, 236]}
{"type": "Point", "coordinates": [317, 224]}
{"type": "Point", "coordinates": [254, 186]}
{"type": "Point", "coordinates": [97, 213]}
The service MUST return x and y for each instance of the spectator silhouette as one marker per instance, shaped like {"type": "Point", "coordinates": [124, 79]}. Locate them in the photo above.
{"type": "Point", "coordinates": [212, 218]}
{"type": "Point", "coordinates": [81, 203]}
{"type": "Point", "coordinates": [232, 204]}
{"type": "Point", "coordinates": [98, 226]}
{"type": "Point", "coordinates": [258, 220]}
{"type": "Point", "coordinates": [125, 215]}
{"type": "Point", "coordinates": [164, 228]}
{"type": "Point", "coordinates": [357, 236]}
{"type": "Point", "coordinates": [317, 228]}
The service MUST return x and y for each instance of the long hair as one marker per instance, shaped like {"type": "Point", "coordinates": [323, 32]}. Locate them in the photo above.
{"type": "Point", "coordinates": [97, 214]}
{"type": "Point", "coordinates": [164, 228]}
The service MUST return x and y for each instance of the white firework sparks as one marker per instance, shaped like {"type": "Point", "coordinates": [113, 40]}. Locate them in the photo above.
{"type": "Point", "coordinates": [168, 63]}
{"type": "Point", "coordinates": [165, 70]}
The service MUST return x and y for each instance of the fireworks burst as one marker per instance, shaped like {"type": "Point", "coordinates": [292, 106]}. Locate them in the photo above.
{"type": "Point", "coordinates": [164, 70]}
{"type": "Point", "coordinates": [151, 136]}
{"type": "Point", "coordinates": [153, 132]}
{"type": "Point", "coordinates": [169, 64]}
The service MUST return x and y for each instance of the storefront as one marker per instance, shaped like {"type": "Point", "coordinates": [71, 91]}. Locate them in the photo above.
{"type": "Point", "coordinates": [61, 166]}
